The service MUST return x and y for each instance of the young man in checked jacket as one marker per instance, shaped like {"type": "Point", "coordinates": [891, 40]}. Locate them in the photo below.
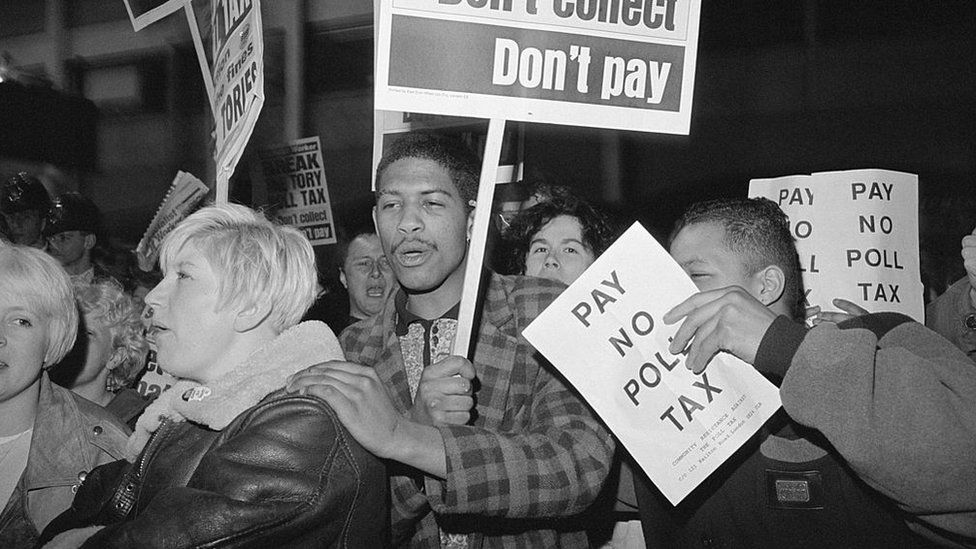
{"type": "Point", "coordinates": [498, 453]}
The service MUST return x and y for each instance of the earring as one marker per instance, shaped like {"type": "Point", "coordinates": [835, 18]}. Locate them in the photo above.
{"type": "Point", "coordinates": [113, 384]}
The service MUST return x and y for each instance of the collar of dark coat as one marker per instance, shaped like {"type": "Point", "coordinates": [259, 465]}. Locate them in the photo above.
{"type": "Point", "coordinates": [216, 404]}
{"type": "Point", "coordinates": [62, 442]}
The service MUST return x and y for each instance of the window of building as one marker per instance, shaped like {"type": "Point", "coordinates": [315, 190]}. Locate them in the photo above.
{"type": "Point", "coordinates": [339, 59]}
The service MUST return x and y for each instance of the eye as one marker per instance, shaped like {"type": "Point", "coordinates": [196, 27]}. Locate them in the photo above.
{"type": "Point", "coordinates": [539, 250]}
{"type": "Point", "coordinates": [570, 250]}
{"type": "Point", "coordinates": [433, 203]}
{"type": "Point", "coordinates": [23, 322]}
{"type": "Point", "coordinates": [388, 205]}
{"type": "Point", "coordinates": [181, 275]}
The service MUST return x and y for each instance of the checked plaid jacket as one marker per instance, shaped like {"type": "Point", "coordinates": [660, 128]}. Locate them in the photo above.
{"type": "Point", "coordinates": [534, 456]}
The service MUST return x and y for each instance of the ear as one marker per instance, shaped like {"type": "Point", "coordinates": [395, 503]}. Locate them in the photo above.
{"type": "Point", "coordinates": [770, 284]}
{"type": "Point", "coordinates": [470, 227]}
{"type": "Point", "coordinates": [252, 316]}
{"type": "Point", "coordinates": [90, 240]}
{"type": "Point", "coordinates": [342, 279]}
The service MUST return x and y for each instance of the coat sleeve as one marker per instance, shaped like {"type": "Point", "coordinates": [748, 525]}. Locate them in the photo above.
{"type": "Point", "coordinates": [953, 316]}
{"type": "Point", "coordinates": [283, 474]}
{"type": "Point", "coordinates": [898, 402]}
{"type": "Point", "coordinates": [545, 454]}
{"type": "Point", "coordinates": [555, 468]}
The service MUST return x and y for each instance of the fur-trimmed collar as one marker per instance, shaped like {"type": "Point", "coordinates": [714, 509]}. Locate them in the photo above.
{"type": "Point", "coordinates": [216, 404]}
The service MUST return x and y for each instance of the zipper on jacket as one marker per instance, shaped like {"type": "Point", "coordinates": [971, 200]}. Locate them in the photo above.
{"type": "Point", "coordinates": [152, 446]}
{"type": "Point", "coordinates": [124, 499]}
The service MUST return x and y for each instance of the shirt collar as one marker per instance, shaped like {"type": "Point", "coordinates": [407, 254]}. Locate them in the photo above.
{"type": "Point", "coordinates": [404, 318]}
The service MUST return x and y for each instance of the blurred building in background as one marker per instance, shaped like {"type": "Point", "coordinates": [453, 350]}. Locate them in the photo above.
{"type": "Point", "coordinates": [782, 88]}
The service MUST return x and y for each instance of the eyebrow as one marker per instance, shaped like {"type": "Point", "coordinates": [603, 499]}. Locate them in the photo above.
{"type": "Point", "coordinates": [22, 310]}
{"type": "Point", "coordinates": [563, 241]}
{"type": "Point", "coordinates": [692, 261]}
{"type": "Point", "coordinates": [428, 192]}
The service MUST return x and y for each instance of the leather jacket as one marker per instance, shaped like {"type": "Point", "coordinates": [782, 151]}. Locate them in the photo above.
{"type": "Point", "coordinates": [71, 437]}
{"type": "Point", "coordinates": [285, 473]}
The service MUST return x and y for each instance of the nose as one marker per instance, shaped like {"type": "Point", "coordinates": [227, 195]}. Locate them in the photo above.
{"type": "Point", "coordinates": [410, 220]}
{"type": "Point", "coordinates": [551, 261]}
{"type": "Point", "coordinates": [375, 270]}
{"type": "Point", "coordinates": [154, 299]}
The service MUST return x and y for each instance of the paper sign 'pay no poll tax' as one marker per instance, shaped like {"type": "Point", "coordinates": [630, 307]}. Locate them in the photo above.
{"type": "Point", "coordinates": [606, 336]}
{"type": "Point", "coordinates": [857, 236]}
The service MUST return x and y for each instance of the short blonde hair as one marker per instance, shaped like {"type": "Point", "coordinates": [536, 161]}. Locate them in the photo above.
{"type": "Point", "coordinates": [256, 261]}
{"type": "Point", "coordinates": [105, 302]}
{"type": "Point", "coordinates": [43, 283]}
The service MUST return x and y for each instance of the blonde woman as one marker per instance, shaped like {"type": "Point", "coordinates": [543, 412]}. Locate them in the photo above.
{"type": "Point", "coordinates": [116, 349]}
{"type": "Point", "coordinates": [224, 458]}
{"type": "Point", "coordinates": [49, 437]}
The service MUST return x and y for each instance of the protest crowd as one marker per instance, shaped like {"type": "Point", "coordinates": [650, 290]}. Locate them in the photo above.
{"type": "Point", "coordinates": [276, 428]}
{"type": "Point", "coordinates": [220, 384]}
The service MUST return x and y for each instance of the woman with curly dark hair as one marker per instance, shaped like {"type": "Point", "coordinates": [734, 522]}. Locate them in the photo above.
{"type": "Point", "coordinates": [558, 239]}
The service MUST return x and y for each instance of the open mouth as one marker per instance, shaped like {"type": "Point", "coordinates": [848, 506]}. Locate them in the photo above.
{"type": "Point", "coordinates": [375, 291]}
{"type": "Point", "coordinates": [412, 253]}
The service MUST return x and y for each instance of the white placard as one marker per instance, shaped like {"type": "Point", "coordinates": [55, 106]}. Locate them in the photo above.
{"type": "Point", "coordinates": [237, 48]}
{"type": "Point", "coordinates": [857, 236]}
{"type": "Point", "coordinates": [618, 65]}
{"type": "Point", "coordinates": [147, 12]}
{"type": "Point", "coordinates": [606, 336]}
{"type": "Point", "coordinates": [182, 197]}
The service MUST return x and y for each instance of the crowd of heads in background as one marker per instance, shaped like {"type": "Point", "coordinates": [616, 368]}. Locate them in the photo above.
{"type": "Point", "coordinates": [553, 234]}
{"type": "Point", "coordinates": [64, 241]}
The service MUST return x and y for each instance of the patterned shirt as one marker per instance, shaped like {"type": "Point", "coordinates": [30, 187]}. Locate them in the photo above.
{"type": "Point", "coordinates": [534, 454]}
{"type": "Point", "coordinates": [424, 342]}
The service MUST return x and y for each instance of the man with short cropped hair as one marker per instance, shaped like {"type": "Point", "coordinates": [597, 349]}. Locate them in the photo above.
{"type": "Point", "coordinates": [366, 275]}
{"type": "Point", "coordinates": [792, 484]}
{"type": "Point", "coordinates": [498, 452]}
